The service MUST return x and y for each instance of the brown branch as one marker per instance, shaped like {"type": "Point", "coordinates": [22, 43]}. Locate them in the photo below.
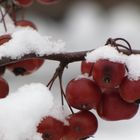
{"type": "Point", "coordinates": [67, 57]}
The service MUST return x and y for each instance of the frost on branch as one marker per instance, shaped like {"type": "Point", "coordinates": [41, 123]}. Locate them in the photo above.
{"type": "Point", "coordinates": [22, 111]}
{"type": "Point", "coordinates": [26, 41]}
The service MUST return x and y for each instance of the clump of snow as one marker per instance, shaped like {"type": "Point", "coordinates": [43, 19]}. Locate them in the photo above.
{"type": "Point", "coordinates": [22, 111]}
{"type": "Point", "coordinates": [133, 65]}
{"type": "Point", "coordinates": [59, 112]}
{"type": "Point", "coordinates": [106, 52]}
{"type": "Point", "coordinates": [27, 41]}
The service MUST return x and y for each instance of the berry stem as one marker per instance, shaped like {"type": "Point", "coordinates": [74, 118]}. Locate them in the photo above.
{"type": "Point", "coordinates": [62, 66]}
{"type": "Point", "coordinates": [50, 84]}
{"type": "Point", "coordinates": [62, 91]}
{"type": "Point", "coordinates": [58, 73]}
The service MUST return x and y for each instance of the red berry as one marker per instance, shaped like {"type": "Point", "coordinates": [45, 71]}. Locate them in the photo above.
{"type": "Point", "coordinates": [4, 88]}
{"type": "Point", "coordinates": [25, 67]}
{"type": "Point", "coordinates": [47, 2]}
{"type": "Point", "coordinates": [23, 3]}
{"type": "Point", "coordinates": [86, 67]}
{"type": "Point", "coordinates": [83, 94]}
{"type": "Point", "coordinates": [5, 38]}
{"type": "Point", "coordinates": [130, 90]}
{"type": "Point", "coordinates": [108, 74]}
{"type": "Point", "coordinates": [26, 23]}
{"type": "Point", "coordinates": [112, 107]}
{"type": "Point", "coordinates": [81, 125]}
{"type": "Point", "coordinates": [51, 129]}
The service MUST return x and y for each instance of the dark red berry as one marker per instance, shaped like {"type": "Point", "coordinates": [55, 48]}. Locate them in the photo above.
{"type": "Point", "coordinates": [51, 128]}
{"type": "Point", "coordinates": [4, 88]}
{"type": "Point", "coordinates": [47, 2]}
{"type": "Point", "coordinates": [23, 3]}
{"type": "Point", "coordinates": [130, 90]}
{"type": "Point", "coordinates": [25, 67]}
{"type": "Point", "coordinates": [112, 107]}
{"type": "Point", "coordinates": [83, 94]}
{"type": "Point", "coordinates": [87, 67]}
{"type": "Point", "coordinates": [5, 38]}
{"type": "Point", "coordinates": [81, 125]}
{"type": "Point", "coordinates": [25, 23]}
{"type": "Point", "coordinates": [108, 74]}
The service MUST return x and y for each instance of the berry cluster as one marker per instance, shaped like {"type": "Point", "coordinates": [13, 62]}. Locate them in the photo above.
{"type": "Point", "coordinates": [105, 87]}
{"type": "Point", "coordinates": [110, 77]}
{"type": "Point", "coordinates": [80, 126]}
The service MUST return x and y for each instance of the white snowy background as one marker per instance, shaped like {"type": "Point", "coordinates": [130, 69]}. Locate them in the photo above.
{"type": "Point", "coordinates": [86, 27]}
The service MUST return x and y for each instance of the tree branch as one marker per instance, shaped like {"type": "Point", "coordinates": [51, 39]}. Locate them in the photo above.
{"type": "Point", "coordinates": [67, 57]}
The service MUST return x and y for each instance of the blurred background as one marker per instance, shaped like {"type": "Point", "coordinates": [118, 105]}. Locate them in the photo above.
{"type": "Point", "coordinates": [84, 25]}
{"type": "Point", "coordinates": [88, 23]}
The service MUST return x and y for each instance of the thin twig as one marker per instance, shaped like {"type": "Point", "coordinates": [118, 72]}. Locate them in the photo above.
{"type": "Point", "coordinates": [50, 83]}
{"type": "Point", "coordinates": [3, 20]}
{"type": "Point", "coordinates": [61, 88]}
{"type": "Point", "coordinates": [6, 12]}
{"type": "Point", "coordinates": [62, 66]}
{"type": "Point", "coordinates": [63, 94]}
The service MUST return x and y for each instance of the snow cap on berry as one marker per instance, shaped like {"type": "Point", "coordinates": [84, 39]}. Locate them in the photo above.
{"type": "Point", "coordinates": [106, 52]}
{"type": "Point", "coordinates": [60, 113]}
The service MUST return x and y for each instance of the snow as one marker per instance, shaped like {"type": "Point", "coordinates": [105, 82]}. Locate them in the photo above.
{"type": "Point", "coordinates": [60, 113]}
{"type": "Point", "coordinates": [27, 41]}
{"type": "Point", "coordinates": [106, 52]}
{"type": "Point", "coordinates": [22, 111]}
{"type": "Point", "coordinates": [133, 65]}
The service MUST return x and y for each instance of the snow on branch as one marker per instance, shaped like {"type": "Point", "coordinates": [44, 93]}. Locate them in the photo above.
{"type": "Point", "coordinates": [26, 41]}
